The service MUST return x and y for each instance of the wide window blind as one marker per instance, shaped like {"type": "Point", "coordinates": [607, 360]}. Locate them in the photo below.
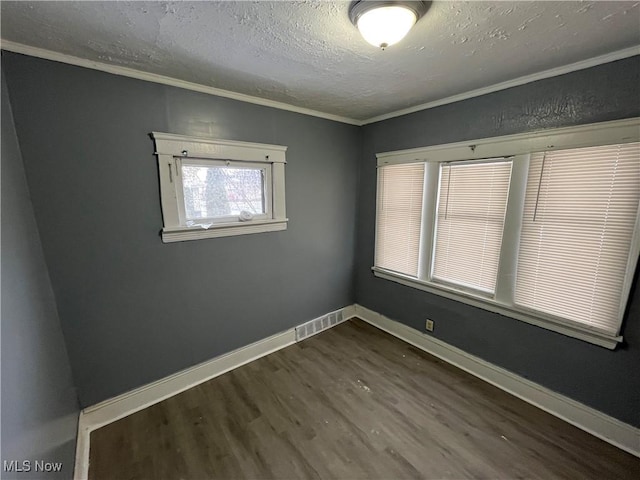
{"type": "Point", "coordinates": [472, 202]}
{"type": "Point", "coordinates": [579, 218]}
{"type": "Point", "coordinates": [399, 215]}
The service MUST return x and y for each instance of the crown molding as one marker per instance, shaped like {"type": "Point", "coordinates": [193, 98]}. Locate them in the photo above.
{"type": "Point", "coordinates": [174, 82]}
{"type": "Point", "coordinates": [165, 80]}
{"type": "Point", "coordinates": [553, 72]}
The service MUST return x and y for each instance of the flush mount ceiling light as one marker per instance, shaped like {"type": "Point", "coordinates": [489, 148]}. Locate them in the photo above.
{"type": "Point", "coordinates": [383, 23]}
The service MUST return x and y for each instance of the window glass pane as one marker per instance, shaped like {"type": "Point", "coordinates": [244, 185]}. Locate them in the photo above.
{"type": "Point", "coordinates": [472, 202]}
{"type": "Point", "coordinates": [214, 191]}
{"type": "Point", "coordinates": [399, 217]}
{"type": "Point", "coordinates": [579, 217]}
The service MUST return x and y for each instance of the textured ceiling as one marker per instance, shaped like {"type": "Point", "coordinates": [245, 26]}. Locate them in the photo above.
{"type": "Point", "coordinates": [308, 54]}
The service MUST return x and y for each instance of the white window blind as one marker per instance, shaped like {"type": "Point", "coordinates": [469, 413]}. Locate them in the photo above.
{"type": "Point", "coordinates": [578, 223]}
{"type": "Point", "coordinates": [399, 215]}
{"type": "Point", "coordinates": [472, 202]}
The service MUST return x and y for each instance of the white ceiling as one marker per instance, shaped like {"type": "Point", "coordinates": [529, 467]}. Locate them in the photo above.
{"type": "Point", "coordinates": [308, 54]}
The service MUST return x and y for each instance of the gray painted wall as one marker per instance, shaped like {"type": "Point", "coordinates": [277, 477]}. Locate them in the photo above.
{"type": "Point", "coordinates": [606, 380]}
{"type": "Point", "coordinates": [133, 309]}
{"type": "Point", "coordinates": [39, 403]}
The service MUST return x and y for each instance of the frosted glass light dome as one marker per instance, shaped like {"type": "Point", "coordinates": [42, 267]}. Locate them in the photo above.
{"type": "Point", "coordinates": [384, 26]}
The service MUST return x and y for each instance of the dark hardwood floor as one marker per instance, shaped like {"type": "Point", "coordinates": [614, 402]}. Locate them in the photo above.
{"type": "Point", "coordinates": [352, 402]}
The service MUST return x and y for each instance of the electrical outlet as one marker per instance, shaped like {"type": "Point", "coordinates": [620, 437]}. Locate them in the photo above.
{"type": "Point", "coordinates": [429, 326]}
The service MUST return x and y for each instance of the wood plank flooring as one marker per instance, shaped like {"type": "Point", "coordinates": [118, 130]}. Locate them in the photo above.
{"type": "Point", "coordinates": [350, 403]}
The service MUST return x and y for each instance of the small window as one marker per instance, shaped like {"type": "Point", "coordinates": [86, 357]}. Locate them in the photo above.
{"type": "Point", "coordinates": [219, 192]}
{"type": "Point", "coordinates": [213, 188]}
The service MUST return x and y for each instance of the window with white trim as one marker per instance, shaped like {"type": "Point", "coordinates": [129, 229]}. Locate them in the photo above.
{"type": "Point", "coordinates": [472, 202]}
{"type": "Point", "coordinates": [542, 227]}
{"type": "Point", "coordinates": [400, 190]}
{"type": "Point", "coordinates": [214, 188]}
{"type": "Point", "coordinates": [578, 223]}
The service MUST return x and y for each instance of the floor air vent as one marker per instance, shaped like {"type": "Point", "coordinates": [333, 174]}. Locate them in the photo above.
{"type": "Point", "coordinates": [317, 325]}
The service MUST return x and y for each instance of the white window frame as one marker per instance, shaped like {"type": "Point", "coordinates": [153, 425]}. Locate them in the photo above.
{"type": "Point", "coordinates": [517, 147]}
{"type": "Point", "coordinates": [172, 149]}
{"type": "Point", "coordinates": [266, 172]}
{"type": "Point", "coordinates": [432, 254]}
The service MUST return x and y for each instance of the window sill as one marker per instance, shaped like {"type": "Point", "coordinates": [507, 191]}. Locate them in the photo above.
{"type": "Point", "coordinates": [182, 234]}
{"type": "Point", "coordinates": [568, 329]}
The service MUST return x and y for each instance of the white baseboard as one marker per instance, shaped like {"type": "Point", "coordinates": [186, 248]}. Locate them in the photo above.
{"type": "Point", "coordinates": [607, 428]}
{"type": "Point", "coordinates": [586, 418]}
{"type": "Point", "coordinates": [103, 413]}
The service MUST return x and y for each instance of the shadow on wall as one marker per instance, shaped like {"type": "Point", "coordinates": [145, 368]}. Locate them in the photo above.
{"type": "Point", "coordinates": [39, 402]}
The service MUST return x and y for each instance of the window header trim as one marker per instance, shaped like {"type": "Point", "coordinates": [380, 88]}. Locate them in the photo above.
{"type": "Point", "coordinates": [198, 147]}
{"type": "Point", "coordinates": [604, 133]}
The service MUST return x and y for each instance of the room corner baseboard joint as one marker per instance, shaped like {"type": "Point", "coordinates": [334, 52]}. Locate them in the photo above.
{"type": "Point", "coordinates": [609, 429]}
{"type": "Point", "coordinates": [113, 409]}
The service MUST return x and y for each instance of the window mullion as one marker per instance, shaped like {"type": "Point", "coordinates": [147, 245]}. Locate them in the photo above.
{"type": "Point", "coordinates": [505, 283]}
{"type": "Point", "coordinates": [427, 228]}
